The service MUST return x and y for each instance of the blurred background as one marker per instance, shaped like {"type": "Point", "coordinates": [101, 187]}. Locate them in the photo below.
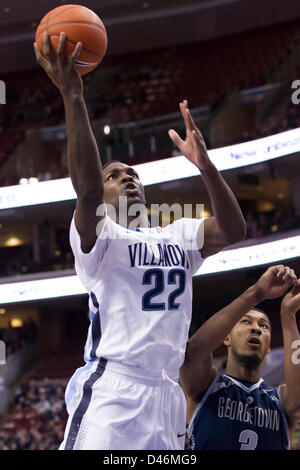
{"type": "Point", "coordinates": [235, 62]}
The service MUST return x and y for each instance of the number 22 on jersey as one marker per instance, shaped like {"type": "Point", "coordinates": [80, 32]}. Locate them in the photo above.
{"type": "Point", "coordinates": [176, 277]}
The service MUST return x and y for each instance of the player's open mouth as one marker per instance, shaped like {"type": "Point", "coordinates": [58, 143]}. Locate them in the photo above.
{"type": "Point", "coordinates": [131, 186]}
{"type": "Point", "coordinates": [254, 341]}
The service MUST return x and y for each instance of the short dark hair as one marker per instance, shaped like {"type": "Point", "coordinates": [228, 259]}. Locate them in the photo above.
{"type": "Point", "coordinates": [109, 163]}
{"type": "Point", "coordinates": [264, 313]}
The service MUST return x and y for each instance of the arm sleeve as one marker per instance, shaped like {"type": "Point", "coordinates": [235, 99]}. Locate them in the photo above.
{"type": "Point", "coordinates": [191, 232]}
{"type": "Point", "coordinates": [87, 264]}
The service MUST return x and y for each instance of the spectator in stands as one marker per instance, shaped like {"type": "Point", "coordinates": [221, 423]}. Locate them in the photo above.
{"type": "Point", "coordinates": [10, 338]}
{"type": "Point", "coordinates": [2, 443]}
{"type": "Point", "coordinates": [47, 387]}
{"type": "Point", "coordinates": [32, 331]}
{"type": "Point", "coordinates": [42, 405]}
{"type": "Point", "coordinates": [24, 440]}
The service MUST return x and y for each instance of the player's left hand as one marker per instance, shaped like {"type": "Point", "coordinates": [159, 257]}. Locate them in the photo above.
{"type": "Point", "coordinates": [291, 301]}
{"type": "Point", "coordinates": [193, 147]}
{"type": "Point", "coordinates": [275, 281]}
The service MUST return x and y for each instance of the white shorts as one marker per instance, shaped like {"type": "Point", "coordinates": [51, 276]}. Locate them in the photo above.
{"type": "Point", "coordinates": [116, 407]}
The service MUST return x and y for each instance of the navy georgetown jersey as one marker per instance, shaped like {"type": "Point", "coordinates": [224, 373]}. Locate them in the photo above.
{"type": "Point", "coordinates": [233, 416]}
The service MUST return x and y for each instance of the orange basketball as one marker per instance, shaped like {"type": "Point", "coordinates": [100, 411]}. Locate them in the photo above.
{"type": "Point", "coordinates": [80, 24]}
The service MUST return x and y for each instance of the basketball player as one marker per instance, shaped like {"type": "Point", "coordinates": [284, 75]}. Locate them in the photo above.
{"type": "Point", "coordinates": [237, 409]}
{"type": "Point", "coordinates": [139, 281]}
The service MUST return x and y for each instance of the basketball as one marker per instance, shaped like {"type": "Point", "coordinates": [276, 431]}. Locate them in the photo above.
{"type": "Point", "coordinates": [80, 24]}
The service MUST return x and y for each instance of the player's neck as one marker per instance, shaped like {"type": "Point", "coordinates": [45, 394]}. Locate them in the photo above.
{"type": "Point", "coordinates": [122, 217]}
{"type": "Point", "coordinates": [134, 222]}
{"type": "Point", "coordinates": [241, 372]}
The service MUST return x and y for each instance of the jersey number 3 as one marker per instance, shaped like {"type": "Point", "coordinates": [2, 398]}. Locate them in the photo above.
{"type": "Point", "coordinates": [157, 276]}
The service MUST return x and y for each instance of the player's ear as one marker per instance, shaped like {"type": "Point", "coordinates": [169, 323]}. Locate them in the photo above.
{"type": "Point", "coordinates": [227, 341]}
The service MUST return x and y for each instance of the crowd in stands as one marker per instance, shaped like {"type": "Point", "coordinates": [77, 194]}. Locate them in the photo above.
{"type": "Point", "coordinates": [287, 120]}
{"type": "Point", "coordinates": [262, 224]}
{"type": "Point", "coordinates": [16, 338]}
{"type": "Point", "coordinates": [38, 419]}
{"type": "Point", "coordinates": [144, 85]}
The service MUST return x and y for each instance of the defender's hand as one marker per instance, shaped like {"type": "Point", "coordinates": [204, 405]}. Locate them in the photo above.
{"type": "Point", "coordinates": [193, 147]}
{"type": "Point", "coordinates": [291, 301]}
{"type": "Point", "coordinates": [275, 282]}
{"type": "Point", "coordinates": [60, 69]}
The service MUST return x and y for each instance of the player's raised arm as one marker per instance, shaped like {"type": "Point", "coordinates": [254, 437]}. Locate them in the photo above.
{"type": "Point", "coordinates": [83, 158]}
{"type": "Point", "coordinates": [290, 305]}
{"type": "Point", "coordinates": [197, 371]}
{"type": "Point", "coordinates": [227, 226]}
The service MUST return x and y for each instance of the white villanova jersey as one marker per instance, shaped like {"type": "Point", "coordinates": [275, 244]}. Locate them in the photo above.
{"type": "Point", "coordinates": [140, 292]}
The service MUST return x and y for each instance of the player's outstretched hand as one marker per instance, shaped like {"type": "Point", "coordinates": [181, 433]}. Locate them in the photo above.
{"type": "Point", "coordinates": [193, 147]}
{"type": "Point", "coordinates": [60, 69]}
{"type": "Point", "coordinates": [275, 282]}
{"type": "Point", "coordinates": [291, 301]}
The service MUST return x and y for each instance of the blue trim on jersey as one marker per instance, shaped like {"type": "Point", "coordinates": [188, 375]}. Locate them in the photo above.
{"type": "Point", "coordinates": [96, 327]}
{"type": "Point", "coordinates": [94, 300]}
{"type": "Point", "coordinates": [92, 314]}
{"type": "Point", "coordinates": [96, 335]}
{"type": "Point", "coordinates": [130, 228]}
{"type": "Point", "coordinates": [72, 385]}
{"type": "Point", "coordinates": [85, 354]}
{"type": "Point", "coordinates": [84, 404]}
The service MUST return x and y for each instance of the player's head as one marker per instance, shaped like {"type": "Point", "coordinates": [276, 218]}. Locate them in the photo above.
{"type": "Point", "coordinates": [249, 341]}
{"type": "Point", "coordinates": [122, 180]}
